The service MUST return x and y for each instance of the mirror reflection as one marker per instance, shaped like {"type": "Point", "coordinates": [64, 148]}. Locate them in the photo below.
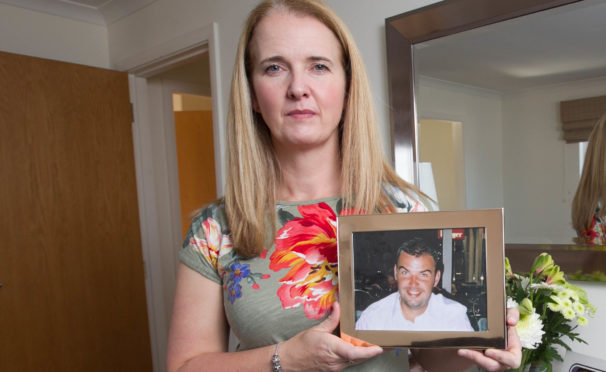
{"type": "Point", "coordinates": [490, 98]}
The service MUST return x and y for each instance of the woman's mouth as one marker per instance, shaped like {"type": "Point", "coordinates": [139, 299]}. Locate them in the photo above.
{"type": "Point", "coordinates": [301, 114]}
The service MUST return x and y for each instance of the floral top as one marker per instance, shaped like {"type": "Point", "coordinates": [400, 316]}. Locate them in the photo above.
{"type": "Point", "coordinates": [596, 233]}
{"type": "Point", "coordinates": [291, 285]}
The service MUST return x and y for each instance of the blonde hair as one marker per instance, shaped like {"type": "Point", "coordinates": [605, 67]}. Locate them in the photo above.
{"type": "Point", "coordinates": [592, 186]}
{"type": "Point", "coordinates": [253, 171]}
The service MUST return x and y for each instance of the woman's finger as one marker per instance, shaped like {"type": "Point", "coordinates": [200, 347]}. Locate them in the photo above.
{"type": "Point", "coordinates": [480, 359]}
{"type": "Point", "coordinates": [348, 352]}
{"type": "Point", "coordinates": [514, 347]}
{"type": "Point", "coordinates": [513, 315]}
{"type": "Point", "coordinates": [332, 320]}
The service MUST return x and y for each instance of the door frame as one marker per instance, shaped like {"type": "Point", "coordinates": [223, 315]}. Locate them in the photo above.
{"type": "Point", "coordinates": [155, 161]}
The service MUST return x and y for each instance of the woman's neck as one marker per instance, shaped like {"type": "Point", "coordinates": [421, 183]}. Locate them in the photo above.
{"type": "Point", "coordinates": [309, 175]}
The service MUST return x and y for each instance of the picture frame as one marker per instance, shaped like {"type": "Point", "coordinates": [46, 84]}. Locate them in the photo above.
{"type": "Point", "coordinates": [470, 246]}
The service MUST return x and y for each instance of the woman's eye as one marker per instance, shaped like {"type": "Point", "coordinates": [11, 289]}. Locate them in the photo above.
{"type": "Point", "coordinates": [272, 68]}
{"type": "Point", "coordinates": [320, 67]}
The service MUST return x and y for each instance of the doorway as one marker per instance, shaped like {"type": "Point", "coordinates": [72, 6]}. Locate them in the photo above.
{"type": "Point", "coordinates": [185, 65]}
{"type": "Point", "coordinates": [183, 95]}
{"type": "Point", "coordinates": [441, 162]}
{"type": "Point", "coordinates": [195, 154]}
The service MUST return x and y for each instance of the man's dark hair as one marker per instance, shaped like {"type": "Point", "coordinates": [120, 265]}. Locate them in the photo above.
{"type": "Point", "coordinates": [418, 247]}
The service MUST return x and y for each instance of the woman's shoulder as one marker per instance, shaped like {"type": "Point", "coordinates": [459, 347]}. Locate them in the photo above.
{"type": "Point", "coordinates": [209, 228]}
{"type": "Point", "coordinates": [208, 237]}
{"type": "Point", "coordinates": [214, 210]}
{"type": "Point", "coordinates": [408, 200]}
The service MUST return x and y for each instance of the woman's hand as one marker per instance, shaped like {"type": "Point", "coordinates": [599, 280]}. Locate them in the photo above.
{"type": "Point", "coordinates": [498, 360]}
{"type": "Point", "coordinates": [317, 349]}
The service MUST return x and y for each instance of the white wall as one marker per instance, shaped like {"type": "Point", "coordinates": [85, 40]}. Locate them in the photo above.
{"type": "Point", "coordinates": [165, 20]}
{"type": "Point", "coordinates": [538, 189]}
{"type": "Point", "coordinates": [41, 35]}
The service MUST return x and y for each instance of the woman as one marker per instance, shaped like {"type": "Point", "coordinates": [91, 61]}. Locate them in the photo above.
{"type": "Point", "coordinates": [587, 212]}
{"type": "Point", "coordinates": [303, 149]}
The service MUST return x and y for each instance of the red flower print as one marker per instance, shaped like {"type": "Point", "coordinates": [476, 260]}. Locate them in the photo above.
{"type": "Point", "coordinates": [307, 246]}
{"type": "Point", "coordinates": [594, 234]}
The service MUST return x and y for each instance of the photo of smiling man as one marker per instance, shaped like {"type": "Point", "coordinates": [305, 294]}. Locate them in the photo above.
{"type": "Point", "coordinates": [414, 306]}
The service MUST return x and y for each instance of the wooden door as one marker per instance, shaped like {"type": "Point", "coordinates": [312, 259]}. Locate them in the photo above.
{"type": "Point", "coordinates": [71, 267]}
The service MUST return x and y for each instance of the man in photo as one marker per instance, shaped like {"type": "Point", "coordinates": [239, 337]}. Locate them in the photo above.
{"type": "Point", "coordinates": [414, 307]}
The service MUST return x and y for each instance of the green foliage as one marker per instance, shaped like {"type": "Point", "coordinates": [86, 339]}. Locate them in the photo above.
{"type": "Point", "coordinates": [550, 310]}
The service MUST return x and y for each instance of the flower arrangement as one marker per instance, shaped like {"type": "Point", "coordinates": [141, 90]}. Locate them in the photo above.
{"type": "Point", "coordinates": [550, 308]}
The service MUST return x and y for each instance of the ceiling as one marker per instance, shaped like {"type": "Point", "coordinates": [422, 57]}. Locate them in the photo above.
{"type": "Point", "coordinates": [99, 12]}
{"type": "Point", "coordinates": [550, 47]}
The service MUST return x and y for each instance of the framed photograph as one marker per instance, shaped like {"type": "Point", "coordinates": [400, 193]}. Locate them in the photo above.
{"type": "Point", "coordinates": [428, 279]}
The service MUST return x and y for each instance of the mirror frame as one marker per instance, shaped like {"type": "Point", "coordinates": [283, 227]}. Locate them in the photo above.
{"type": "Point", "coordinates": [434, 21]}
{"type": "Point", "coordinates": [405, 30]}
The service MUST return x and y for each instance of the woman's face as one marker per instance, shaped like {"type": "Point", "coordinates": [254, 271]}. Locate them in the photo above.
{"type": "Point", "coordinates": [298, 80]}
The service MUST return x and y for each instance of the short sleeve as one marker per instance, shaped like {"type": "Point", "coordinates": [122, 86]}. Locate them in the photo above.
{"type": "Point", "coordinates": [207, 240]}
{"type": "Point", "coordinates": [408, 202]}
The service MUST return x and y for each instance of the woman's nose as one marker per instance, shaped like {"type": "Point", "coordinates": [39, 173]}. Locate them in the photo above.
{"type": "Point", "coordinates": [297, 87]}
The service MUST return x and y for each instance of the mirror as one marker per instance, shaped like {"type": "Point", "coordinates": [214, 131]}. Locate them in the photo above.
{"type": "Point", "coordinates": [476, 64]}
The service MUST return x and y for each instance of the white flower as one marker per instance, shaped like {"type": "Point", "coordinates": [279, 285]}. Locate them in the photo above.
{"type": "Point", "coordinates": [578, 308]}
{"type": "Point", "coordinates": [530, 330]}
{"type": "Point", "coordinates": [582, 321]}
{"type": "Point", "coordinates": [511, 303]}
{"type": "Point", "coordinates": [568, 313]}
{"type": "Point", "coordinates": [556, 305]}
{"type": "Point", "coordinates": [573, 294]}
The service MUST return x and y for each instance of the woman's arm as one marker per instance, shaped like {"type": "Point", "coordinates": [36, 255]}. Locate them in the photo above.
{"type": "Point", "coordinates": [491, 359]}
{"type": "Point", "coordinates": [198, 336]}
{"type": "Point", "coordinates": [198, 323]}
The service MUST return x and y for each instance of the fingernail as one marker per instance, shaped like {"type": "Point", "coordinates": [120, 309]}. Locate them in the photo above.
{"type": "Point", "coordinates": [463, 352]}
